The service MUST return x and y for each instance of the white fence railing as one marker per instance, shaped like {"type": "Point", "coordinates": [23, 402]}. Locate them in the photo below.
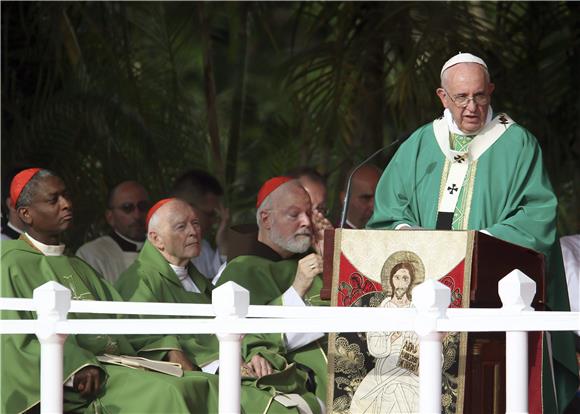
{"type": "Point", "coordinates": [233, 317]}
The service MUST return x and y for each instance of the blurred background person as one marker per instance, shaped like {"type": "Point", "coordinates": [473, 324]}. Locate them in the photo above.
{"type": "Point", "coordinates": [362, 196]}
{"type": "Point", "coordinates": [112, 254]}
{"type": "Point", "coordinates": [204, 193]}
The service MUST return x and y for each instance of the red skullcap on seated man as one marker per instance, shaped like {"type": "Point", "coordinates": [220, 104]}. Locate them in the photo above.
{"type": "Point", "coordinates": [269, 186]}
{"type": "Point", "coordinates": [19, 182]}
{"type": "Point", "coordinates": [156, 207]}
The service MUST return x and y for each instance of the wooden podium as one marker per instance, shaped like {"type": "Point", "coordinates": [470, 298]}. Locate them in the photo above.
{"type": "Point", "coordinates": [485, 262]}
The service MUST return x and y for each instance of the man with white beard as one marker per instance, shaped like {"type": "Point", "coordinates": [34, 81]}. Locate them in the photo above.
{"type": "Point", "coordinates": [279, 270]}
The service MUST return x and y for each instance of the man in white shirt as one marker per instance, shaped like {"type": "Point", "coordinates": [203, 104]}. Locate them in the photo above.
{"type": "Point", "coordinates": [112, 254]}
{"type": "Point", "coordinates": [571, 255]}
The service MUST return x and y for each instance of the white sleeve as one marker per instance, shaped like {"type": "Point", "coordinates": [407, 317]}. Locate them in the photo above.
{"type": "Point", "coordinates": [402, 226]}
{"type": "Point", "coordinates": [212, 367]}
{"type": "Point", "coordinates": [209, 260]}
{"type": "Point", "coordinates": [219, 273]}
{"type": "Point", "coordinates": [295, 340]}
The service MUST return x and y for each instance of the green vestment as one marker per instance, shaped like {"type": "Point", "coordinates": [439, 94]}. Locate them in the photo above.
{"type": "Point", "coordinates": [151, 279]}
{"type": "Point", "coordinates": [126, 390]}
{"type": "Point", "coordinates": [507, 193]}
{"type": "Point", "coordinates": [267, 279]}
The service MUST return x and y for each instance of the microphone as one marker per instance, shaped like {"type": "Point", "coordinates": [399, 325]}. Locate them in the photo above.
{"type": "Point", "coordinates": [399, 140]}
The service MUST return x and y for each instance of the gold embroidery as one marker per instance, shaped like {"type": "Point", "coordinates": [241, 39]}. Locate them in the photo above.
{"type": "Point", "coordinates": [409, 357]}
{"type": "Point", "coordinates": [468, 187]}
{"type": "Point", "coordinates": [75, 295]}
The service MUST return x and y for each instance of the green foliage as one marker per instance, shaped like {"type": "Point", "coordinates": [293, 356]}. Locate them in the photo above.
{"type": "Point", "coordinates": [105, 91]}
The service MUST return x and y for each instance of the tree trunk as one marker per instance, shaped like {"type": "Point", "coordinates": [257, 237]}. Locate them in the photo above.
{"type": "Point", "coordinates": [210, 93]}
{"type": "Point", "coordinates": [238, 101]}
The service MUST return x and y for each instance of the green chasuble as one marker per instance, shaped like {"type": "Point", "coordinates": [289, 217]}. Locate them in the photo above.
{"type": "Point", "coordinates": [126, 390]}
{"type": "Point", "coordinates": [267, 278]}
{"type": "Point", "coordinates": [151, 279]}
{"type": "Point", "coordinates": [507, 193]}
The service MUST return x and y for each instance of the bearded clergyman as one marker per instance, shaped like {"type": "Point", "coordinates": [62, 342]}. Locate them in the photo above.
{"type": "Point", "coordinates": [283, 267]}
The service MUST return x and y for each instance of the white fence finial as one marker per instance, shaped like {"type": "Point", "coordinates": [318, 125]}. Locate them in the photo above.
{"type": "Point", "coordinates": [52, 300]}
{"type": "Point", "coordinates": [230, 300]}
{"type": "Point", "coordinates": [432, 297]}
{"type": "Point", "coordinates": [516, 291]}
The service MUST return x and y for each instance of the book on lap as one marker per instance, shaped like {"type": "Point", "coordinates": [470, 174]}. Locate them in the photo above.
{"type": "Point", "coordinates": [168, 368]}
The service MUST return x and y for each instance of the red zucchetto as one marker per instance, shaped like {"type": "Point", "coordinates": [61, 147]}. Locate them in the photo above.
{"type": "Point", "coordinates": [19, 182]}
{"type": "Point", "coordinates": [269, 186]}
{"type": "Point", "coordinates": [156, 207]}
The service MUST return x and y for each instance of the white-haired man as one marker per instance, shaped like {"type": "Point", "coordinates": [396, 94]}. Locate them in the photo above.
{"type": "Point", "coordinates": [281, 271]}
{"type": "Point", "coordinates": [475, 170]}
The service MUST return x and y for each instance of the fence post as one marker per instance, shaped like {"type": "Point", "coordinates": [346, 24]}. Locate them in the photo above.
{"type": "Point", "coordinates": [431, 299]}
{"type": "Point", "coordinates": [516, 291]}
{"type": "Point", "coordinates": [230, 302]}
{"type": "Point", "coordinates": [52, 303]}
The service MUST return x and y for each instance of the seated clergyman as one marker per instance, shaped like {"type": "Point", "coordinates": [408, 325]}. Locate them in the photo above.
{"type": "Point", "coordinates": [90, 385]}
{"type": "Point", "coordinates": [278, 269]}
{"type": "Point", "coordinates": [163, 272]}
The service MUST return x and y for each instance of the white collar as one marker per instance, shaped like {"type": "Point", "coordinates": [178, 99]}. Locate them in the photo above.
{"type": "Point", "coordinates": [180, 271]}
{"type": "Point", "coordinates": [480, 143]}
{"type": "Point", "coordinates": [139, 245]}
{"type": "Point", "coordinates": [186, 281]}
{"type": "Point", "coordinates": [453, 128]}
{"type": "Point", "coordinates": [46, 249]}
{"type": "Point", "coordinates": [13, 227]}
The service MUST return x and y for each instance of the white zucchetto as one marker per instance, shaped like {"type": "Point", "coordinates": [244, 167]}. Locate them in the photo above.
{"type": "Point", "coordinates": [462, 58]}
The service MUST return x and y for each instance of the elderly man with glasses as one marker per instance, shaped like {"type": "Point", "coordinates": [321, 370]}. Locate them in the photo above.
{"type": "Point", "coordinates": [473, 169]}
{"type": "Point", "coordinates": [112, 254]}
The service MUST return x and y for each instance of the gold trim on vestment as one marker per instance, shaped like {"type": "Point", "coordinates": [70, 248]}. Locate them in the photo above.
{"type": "Point", "coordinates": [463, 336]}
{"type": "Point", "coordinates": [321, 349]}
{"type": "Point", "coordinates": [268, 405]}
{"type": "Point", "coordinates": [335, 267]}
{"type": "Point", "coordinates": [468, 188]}
{"type": "Point", "coordinates": [159, 349]}
{"type": "Point", "coordinates": [332, 335]}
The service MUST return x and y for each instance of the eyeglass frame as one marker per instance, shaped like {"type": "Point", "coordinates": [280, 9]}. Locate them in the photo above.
{"type": "Point", "coordinates": [128, 208]}
{"type": "Point", "coordinates": [468, 98]}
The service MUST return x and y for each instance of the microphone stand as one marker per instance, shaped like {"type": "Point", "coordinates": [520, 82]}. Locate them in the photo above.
{"type": "Point", "coordinates": [349, 181]}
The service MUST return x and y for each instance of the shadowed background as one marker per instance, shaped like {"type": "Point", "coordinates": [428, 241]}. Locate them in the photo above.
{"type": "Point", "coordinates": [105, 91]}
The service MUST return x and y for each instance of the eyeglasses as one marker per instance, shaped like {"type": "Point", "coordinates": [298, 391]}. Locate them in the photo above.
{"type": "Point", "coordinates": [128, 208]}
{"type": "Point", "coordinates": [462, 101]}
